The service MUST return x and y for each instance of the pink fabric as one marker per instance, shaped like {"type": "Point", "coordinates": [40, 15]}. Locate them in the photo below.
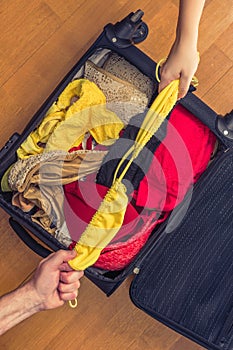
{"type": "Point", "coordinates": [82, 201]}
{"type": "Point", "coordinates": [118, 256]}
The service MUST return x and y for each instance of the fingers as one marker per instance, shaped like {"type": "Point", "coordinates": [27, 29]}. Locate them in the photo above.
{"type": "Point", "coordinates": [68, 291]}
{"type": "Point", "coordinates": [63, 256]}
{"type": "Point", "coordinates": [54, 281]}
{"type": "Point", "coordinates": [68, 296]}
{"type": "Point", "coordinates": [68, 288]}
{"type": "Point", "coordinates": [184, 86]}
{"type": "Point", "coordinates": [71, 277]}
{"type": "Point", "coordinates": [163, 84]}
{"type": "Point", "coordinates": [166, 78]}
{"type": "Point", "coordinates": [69, 284]}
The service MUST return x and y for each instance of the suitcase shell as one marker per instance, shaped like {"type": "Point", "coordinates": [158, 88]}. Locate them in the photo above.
{"type": "Point", "coordinates": [161, 255]}
{"type": "Point", "coordinates": [186, 279]}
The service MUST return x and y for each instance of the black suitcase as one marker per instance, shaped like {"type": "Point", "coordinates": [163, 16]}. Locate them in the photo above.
{"type": "Point", "coordinates": [184, 273]}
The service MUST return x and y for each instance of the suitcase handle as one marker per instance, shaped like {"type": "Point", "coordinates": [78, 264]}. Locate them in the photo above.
{"type": "Point", "coordinates": [130, 30]}
{"type": "Point", "coordinates": [28, 240]}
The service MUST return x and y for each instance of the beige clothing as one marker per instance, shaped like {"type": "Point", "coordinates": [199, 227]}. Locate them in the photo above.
{"type": "Point", "coordinates": [38, 181]}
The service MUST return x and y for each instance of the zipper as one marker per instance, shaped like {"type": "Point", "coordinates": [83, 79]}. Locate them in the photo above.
{"type": "Point", "coordinates": [153, 241]}
{"type": "Point", "coordinates": [226, 334]}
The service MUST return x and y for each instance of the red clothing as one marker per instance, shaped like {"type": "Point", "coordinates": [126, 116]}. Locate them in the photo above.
{"type": "Point", "coordinates": [82, 201]}
{"type": "Point", "coordinates": [177, 164]}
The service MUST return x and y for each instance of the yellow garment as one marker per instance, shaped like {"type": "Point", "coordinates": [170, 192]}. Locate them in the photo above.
{"type": "Point", "coordinates": [87, 94]}
{"type": "Point", "coordinates": [109, 217]}
{"type": "Point", "coordinates": [102, 124]}
{"type": "Point", "coordinates": [103, 226]}
{"type": "Point", "coordinates": [4, 181]}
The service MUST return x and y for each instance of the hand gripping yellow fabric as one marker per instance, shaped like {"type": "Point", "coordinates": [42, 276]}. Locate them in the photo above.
{"type": "Point", "coordinates": [109, 217]}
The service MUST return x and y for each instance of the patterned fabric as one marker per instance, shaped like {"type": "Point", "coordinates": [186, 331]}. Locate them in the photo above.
{"type": "Point", "coordinates": [38, 182]}
{"type": "Point", "coordinates": [122, 69]}
{"type": "Point", "coordinates": [122, 97]}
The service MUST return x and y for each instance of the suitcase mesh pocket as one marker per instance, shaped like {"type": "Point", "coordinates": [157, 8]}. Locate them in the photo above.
{"type": "Point", "coordinates": [187, 281]}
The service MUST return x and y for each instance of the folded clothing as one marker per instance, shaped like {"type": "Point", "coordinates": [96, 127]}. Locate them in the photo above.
{"type": "Point", "coordinates": [122, 69]}
{"type": "Point", "coordinates": [80, 108]}
{"type": "Point", "coordinates": [38, 182]}
{"type": "Point", "coordinates": [179, 161]}
{"type": "Point", "coordinates": [83, 198]}
{"type": "Point", "coordinates": [176, 165]}
{"type": "Point", "coordinates": [122, 97]}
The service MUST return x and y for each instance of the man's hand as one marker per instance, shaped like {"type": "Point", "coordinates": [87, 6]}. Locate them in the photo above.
{"type": "Point", "coordinates": [54, 282]}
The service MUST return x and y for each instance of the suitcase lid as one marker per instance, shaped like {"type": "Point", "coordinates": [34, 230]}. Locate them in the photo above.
{"type": "Point", "coordinates": [186, 280]}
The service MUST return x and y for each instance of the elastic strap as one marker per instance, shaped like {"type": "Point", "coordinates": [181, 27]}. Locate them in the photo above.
{"type": "Point", "coordinates": [73, 303]}
{"type": "Point", "coordinates": [194, 80]}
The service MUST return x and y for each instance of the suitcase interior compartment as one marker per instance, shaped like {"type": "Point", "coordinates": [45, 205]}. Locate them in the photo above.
{"type": "Point", "coordinates": [108, 281]}
{"type": "Point", "coordinates": [183, 274]}
{"type": "Point", "coordinates": [30, 232]}
{"type": "Point", "coordinates": [186, 280]}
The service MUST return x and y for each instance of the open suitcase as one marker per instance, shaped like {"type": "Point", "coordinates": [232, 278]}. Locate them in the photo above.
{"type": "Point", "coordinates": [184, 272]}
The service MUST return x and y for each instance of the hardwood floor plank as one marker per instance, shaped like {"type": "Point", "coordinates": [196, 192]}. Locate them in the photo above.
{"type": "Point", "coordinates": [162, 31]}
{"type": "Point", "coordinates": [185, 344]}
{"type": "Point", "coordinates": [217, 16]}
{"type": "Point", "coordinates": [213, 65]}
{"type": "Point", "coordinates": [224, 42]}
{"type": "Point", "coordinates": [65, 9]}
{"type": "Point", "coordinates": [16, 260]}
{"type": "Point", "coordinates": [220, 95]}
{"type": "Point", "coordinates": [40, 42]}
{"type": "Point", "coordinates": [30, 31]}
{"type": "Point", "coordinates": [11, 113]}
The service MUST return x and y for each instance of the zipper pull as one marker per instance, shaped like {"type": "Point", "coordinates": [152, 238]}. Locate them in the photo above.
{"type": "Point", "coordinates": [136, 270]}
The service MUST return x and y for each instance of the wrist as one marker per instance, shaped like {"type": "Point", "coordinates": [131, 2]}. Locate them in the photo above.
{"type": "Point", "coordinates": [187, 39]}
{"type": "Point", "coordinates": [18, 305]}
{"type": "Point", "coordinates": [34, 302]}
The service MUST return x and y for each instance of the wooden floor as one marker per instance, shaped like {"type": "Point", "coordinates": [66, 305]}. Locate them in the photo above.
{"type": "Point", "coordinates": [40, 41]}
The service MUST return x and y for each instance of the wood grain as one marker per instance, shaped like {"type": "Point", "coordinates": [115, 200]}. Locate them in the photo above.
{"type": "Point", "coordinates": [40, 41]}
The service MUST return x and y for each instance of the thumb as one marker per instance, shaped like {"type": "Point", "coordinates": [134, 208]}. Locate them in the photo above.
{"type": "Point", "coordinates": [183, 86]}
{"type": "Point", "coordinates": [165, 78]}
{"type": "Point", "coordinates": [59, 259]}
{"type": "Point", "coordinates": [66, 256]}
{"type": "Point", "coordinates": [69, 254]}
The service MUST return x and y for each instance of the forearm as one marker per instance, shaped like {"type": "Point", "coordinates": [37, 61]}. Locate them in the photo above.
{"type": "Point", "coordinates": [188, 20]}
{"type": "Point", "coordinates": [183, 58]}
{"type": "Point", "coordinates": [53, 283]}
{"type": "Point", "coordinates": [17, 306]}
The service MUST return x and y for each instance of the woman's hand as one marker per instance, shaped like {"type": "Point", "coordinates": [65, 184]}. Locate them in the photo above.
{"type": "Point", "coordinates": [182, 63]}
{"type": "Point", "coordinates": [183, 59]}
